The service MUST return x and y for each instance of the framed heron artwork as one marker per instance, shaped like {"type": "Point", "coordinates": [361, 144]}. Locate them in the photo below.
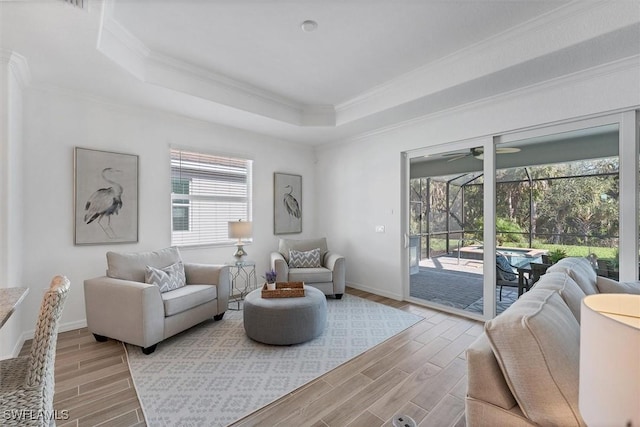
{"type": "Point", "coordinates": [287, 203]}
{"type": "Point", "coordinates": [106, 197]}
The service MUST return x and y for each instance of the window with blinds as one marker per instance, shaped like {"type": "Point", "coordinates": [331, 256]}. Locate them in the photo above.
{"type": "Point", "coordinates": [207, 191]}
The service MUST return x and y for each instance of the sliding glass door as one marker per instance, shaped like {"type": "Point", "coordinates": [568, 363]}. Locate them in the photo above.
{"type": "Point", "coordinates": [483, 214]}
{"type": "Point", "coordinates": [557, 195]}
{"type": "Point", "coordinates": [445, 229]}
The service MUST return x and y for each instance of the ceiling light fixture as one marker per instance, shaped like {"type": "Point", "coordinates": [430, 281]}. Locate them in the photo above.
{"type": "Point", "coordinates": [309, 26]}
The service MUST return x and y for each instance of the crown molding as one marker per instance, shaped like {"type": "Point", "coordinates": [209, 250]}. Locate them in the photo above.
{"type": "Point", "coordinates": [18, 64]}
{"type": "Point", "coordinates": [570, 24]}
{"type": "Point", "coordinates": [609, 69]}
{"type": "Point", "coordinates": [119, 45]}
{"type": "Point", "coordinates": [168, 72]}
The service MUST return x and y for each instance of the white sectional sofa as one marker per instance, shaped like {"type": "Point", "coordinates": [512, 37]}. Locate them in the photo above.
{"type": "Point", "coordinates": [523, 370]}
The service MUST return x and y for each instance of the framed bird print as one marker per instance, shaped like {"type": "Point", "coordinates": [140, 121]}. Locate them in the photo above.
{"type": "Point", "coordinates": [287, 203]}
{"type": "Point", "coordinates": [106, 197]}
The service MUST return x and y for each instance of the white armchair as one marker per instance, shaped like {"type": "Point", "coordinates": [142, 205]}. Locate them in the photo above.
{"type": "Point", "coordinates": [328, 275]}
{"type": "Point", "coordinates": [122, 306]}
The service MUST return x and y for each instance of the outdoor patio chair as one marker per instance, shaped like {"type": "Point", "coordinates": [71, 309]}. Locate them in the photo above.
{"type": "Point", "coordinates": [507, 275]}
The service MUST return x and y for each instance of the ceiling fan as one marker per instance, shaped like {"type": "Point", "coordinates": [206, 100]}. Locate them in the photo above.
{"type": "Point", "coordinates": [478, 153]}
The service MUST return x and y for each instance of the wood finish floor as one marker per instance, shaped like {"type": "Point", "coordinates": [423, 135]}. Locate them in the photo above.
{"type": "Point", "coordinates": [420, 372]}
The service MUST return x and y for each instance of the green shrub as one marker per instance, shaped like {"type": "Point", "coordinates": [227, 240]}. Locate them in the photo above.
{"type": "Point", "coordinates": [508, 231]}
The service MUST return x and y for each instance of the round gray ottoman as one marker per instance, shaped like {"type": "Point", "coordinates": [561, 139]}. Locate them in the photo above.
{"type": "Point", "coordinates": [285, 321]}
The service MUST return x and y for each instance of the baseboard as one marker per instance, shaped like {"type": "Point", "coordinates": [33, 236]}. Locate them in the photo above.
{"type": "Point", "coordinates": [376, 291]}
{"type": "Point", "coordinates": [28, 335]}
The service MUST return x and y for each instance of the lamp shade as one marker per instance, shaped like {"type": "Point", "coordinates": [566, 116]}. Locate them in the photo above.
{"type": "Point", "coordinates": [610, 360]}
{"type": "Point", "coordinates": [240, 229]}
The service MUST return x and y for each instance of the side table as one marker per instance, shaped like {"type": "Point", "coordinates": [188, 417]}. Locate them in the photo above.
{"type": "Point", "coordinates": [243, 281]}
{"type": "Point", "coordinates": [9, 300]}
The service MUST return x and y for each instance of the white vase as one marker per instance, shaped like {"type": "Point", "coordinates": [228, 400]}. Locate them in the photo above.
{"type": "Point", "coordinates": [271, 286]}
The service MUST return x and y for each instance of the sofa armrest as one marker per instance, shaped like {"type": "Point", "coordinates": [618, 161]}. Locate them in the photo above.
{"type": "Point", "coordinates": [281, 267]}
{"type": "Point", "coordinates": [610, 286]}
{"type": "Point", "coordinates": [336, 263]}
{"type": "Point", "coordinates": [211, 274]}
{"type": "Point", "coordinates": [128, 311]}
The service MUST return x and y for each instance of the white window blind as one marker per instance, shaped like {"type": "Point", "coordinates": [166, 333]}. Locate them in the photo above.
{"type": "Point", "coordinates": [207, 191]}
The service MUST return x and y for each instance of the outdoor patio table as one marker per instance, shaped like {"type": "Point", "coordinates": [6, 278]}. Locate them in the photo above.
{"type": "Point", "coordinates": [524, 274]}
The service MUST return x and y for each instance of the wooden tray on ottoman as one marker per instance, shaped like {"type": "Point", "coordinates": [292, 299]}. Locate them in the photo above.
{"type": "Point", "coordinates": [284, 290]}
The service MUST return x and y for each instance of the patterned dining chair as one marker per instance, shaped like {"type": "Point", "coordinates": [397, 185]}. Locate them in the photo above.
{"type": "Point", "coordinates": [27, 383]}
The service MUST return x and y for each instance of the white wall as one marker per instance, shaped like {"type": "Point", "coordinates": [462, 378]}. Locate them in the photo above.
{"type": "Point", "coordinates": [11, 186]}
{"type": "Point", "coordinates": [358, 184]}
{"type": "Point", "coordinates": [56, 122]}
{"type": "Point", "coordinates": [361, 179]}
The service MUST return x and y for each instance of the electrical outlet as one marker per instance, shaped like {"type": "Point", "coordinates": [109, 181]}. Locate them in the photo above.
{"type": "Point", "coordinates": [379, 228]}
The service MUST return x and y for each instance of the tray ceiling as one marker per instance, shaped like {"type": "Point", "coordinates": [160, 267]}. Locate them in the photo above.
{"type": "Point", "coordinates": [369, 63]}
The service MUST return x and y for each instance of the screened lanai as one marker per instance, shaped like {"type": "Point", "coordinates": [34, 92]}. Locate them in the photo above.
{"type": "Point", "coordinates": [542, 206]}
{"type": "Point", "coordinates": [555, 196]}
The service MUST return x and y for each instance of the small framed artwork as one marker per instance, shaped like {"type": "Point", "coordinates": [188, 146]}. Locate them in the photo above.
{"type": "Point", "coordinates": [287, 203]}
{"type": "Point", "coordinates": [106, 197]}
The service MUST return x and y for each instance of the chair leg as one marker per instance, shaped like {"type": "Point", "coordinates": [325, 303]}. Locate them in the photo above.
{"type": "Point", "coordinates": [338, 296]}
{"type": "Point", "coordinates": [500, 299]}
{"type": "Point", "coordinates": [219, 316]}
{"type": "Point", "coordinates": [150, 349]}
{"type": "Point", "coordinates": [100, 338]}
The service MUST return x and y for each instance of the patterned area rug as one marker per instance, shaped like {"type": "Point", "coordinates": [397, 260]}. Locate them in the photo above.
{"type": "Point", "coordinates": [213, 374]}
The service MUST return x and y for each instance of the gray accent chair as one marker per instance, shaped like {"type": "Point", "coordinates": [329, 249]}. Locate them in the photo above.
{"type": "Point", "coordinates": [122, 306]}
{"type": "Point", "coordinates": [329, 278]}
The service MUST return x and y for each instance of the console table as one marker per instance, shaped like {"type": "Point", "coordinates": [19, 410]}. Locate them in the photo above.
{"type": "Point", "coordinates": [9, 300]}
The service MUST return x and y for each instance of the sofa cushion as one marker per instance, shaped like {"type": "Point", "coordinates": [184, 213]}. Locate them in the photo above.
{"type": "Point", "coordinates": [484, 379]}
{"type": "Point", "coordinates": [285, 245]}
{"type": "Point", "coordinates": [310, 275]}
{"type": "Point", "coordinates": [304, 259]}
{"type": "Point", "coordinates": [568, 289]}
{"type": "Point", "coordinates": [609, 286]}
{"type": "Point", "coordinates": [131, 265]}
{"type": "Point", "coordinates": [167, 278]}
{"type": "Point", "coordinates": [537, 345]}
{"type": "Point", "coordinates": [187, 297]}
{"type": "Point", "coordinates": [581, 272]}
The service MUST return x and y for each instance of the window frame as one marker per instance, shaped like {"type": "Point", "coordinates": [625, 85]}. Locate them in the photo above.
{"type": "Point", "coordinates": [220, 187]}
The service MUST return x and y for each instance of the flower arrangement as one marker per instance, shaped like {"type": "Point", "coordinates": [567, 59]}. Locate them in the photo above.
{"type": "Point", "coordinates": [270, 276]}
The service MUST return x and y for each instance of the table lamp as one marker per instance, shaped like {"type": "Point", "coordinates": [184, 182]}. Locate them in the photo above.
{"type": "Point", "coordinates": [610, 360]}
{"type": "Point", "coordinates": [240, 230]}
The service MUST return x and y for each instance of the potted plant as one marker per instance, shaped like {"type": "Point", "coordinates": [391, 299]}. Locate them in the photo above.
{"type": "Point", "coordinates": [270, 277]}
{"type": "Point", "coordinates": [556, 255]}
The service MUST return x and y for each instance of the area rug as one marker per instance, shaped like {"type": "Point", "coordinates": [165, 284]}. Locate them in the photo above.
{"type": "Point", "coordinates": [213, 374]}
{"type": "Point", "coordinates": [457, 289]}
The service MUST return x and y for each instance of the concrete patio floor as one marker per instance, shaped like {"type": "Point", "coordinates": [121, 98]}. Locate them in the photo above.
{"type": "Point", "coordinates": [455, 283]}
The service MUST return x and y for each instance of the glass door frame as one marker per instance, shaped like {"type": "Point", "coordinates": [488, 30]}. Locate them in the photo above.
{"type": "Point", "coordinates": [629, 157]}
{"type": "Point", "coordinates": [489, 283]}
{"type": "Point", "coordinates": [628, 153]}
